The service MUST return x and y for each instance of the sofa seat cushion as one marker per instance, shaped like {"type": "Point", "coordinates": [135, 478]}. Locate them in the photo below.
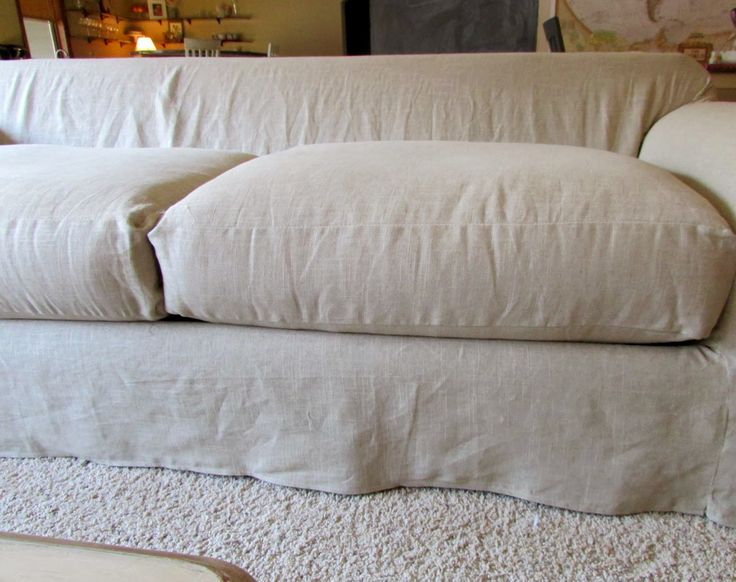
{"type": "Point", "coordinates": [74, 226]}
{"type": "Point", "coordinates": [514, 241]}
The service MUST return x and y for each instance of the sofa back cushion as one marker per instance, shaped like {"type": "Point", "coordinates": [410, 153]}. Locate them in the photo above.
{"type": "Point", "coordinates": [512, 241]}
{"type": "Point", "coordinates": [74, 226]}
{"type": "Point", "coordinates": [605, 101]}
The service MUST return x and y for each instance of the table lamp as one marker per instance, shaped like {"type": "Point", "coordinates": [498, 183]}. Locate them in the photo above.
{"type": "Point", "coordinates": [144, 44]}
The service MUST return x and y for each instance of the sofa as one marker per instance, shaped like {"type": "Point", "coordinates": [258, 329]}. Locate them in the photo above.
{"type": "Point", "coordinates": [507, 273]}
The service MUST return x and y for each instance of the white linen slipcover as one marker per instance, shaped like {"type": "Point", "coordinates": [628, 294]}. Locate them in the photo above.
{"type": "Point", "coordinates": [605, 428]}
{"type": "Point", "coordinates": [450, 239]}
{"type": "Point", "coordinates": [265, 105]}
{"type": "Point", "coordinates": [74, 226]}
{"type": "Point", "coordinates": [697, 144]}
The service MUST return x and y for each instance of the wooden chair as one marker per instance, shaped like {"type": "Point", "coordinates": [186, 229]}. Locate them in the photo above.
{"type": "Point", "coordinates": [197, 47]}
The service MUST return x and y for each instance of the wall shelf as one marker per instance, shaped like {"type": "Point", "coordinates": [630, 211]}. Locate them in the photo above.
{"type": "Point", "coordinates": [180, 44]}
{"type": "Point", "coordinates": [101, 15]}
{"type": "Point", "coordinates": [91, 25]}
{"type": "Point", "coordinates": [219, 19]}
{"type": "Point", "coordinates": [188, 19]}
{"type": "Point", "coordinates": [722, 68]}
{"type": "Point", "coordinates": [106, 41]}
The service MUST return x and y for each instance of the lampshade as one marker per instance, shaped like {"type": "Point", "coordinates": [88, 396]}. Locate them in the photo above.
{"type": "Point", "coordinates": [144, 43]}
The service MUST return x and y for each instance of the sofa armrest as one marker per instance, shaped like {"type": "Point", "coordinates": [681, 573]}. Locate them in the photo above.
{"type": "Point", "coordinates": [697, 143]}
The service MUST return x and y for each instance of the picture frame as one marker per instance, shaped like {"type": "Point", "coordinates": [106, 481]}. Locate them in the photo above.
{"type": "Point", "coordinates": [157, 9]}
{"type": "Point", "coordinates": [176, 30]}
{"type": "Point", "coordinates": [699, 53]}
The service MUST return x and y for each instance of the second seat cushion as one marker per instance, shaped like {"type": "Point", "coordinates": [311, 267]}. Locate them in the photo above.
{"type": "Point", "coordinates": [513, 241]}
{"type": "Point", "coordinates": [74, 226]}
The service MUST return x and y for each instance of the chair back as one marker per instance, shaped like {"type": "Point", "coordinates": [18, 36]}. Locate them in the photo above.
{"type": "Point", "coordinates": [197, 47]}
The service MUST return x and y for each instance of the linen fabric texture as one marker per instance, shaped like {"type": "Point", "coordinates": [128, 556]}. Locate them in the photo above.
{"type": "Point", "coordinates": [74, 226]}
{"type": "Point", "coordinates": [606, 428]}
{"type": "Point", "coordinates": [696, 143]}
{"type": "Point", "coordinates": [451, 239]}
{"type": "Point", "coordinates": [605, 101]}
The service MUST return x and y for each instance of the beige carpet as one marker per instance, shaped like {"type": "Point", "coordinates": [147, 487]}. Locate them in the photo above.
{"type": "Point", "coordinates": [277, 533]}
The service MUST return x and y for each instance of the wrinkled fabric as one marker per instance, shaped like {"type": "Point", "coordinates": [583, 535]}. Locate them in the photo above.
{"type": "Point", "coordinates": [74, 226]}
{"type": "Point", "coordinates": [605, 101]}
{"type": "Point", "coordinates": [601, 428]}
{"type": "Point", "coordinates": [450, 239]}
{"type": "Point", "coordinates": [698, 144]}
{"type": "Point", "coordinates": [592, 427]}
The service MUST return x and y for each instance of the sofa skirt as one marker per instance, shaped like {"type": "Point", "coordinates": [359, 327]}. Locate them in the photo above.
{"type": "Point", "coordinates": [601, 428]}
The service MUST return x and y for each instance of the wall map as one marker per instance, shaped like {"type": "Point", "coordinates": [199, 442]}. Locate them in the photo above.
{"type": "Point", "coordinates": [645, 25]}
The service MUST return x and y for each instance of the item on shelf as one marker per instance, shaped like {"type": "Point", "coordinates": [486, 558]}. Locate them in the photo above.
{"type": "Point", "coordinates": [232, 36]}
{"type": "Point", "coordinates": [172, 7]}
{"type": "Point", "coordinates": [696, 48]}
{"type": "Point", "coordinates": [144, 44]}
{"type": "Point", "coordinates": [10, 52]}
{"type": "Point", "coordinates": [134, 34]}
{"type": "Point", "coordinates": [726, 51]}
{"type": "Point", "coordinates": [139, 9]}
{"type": "Point", "coordinates": [175, 32]}
{"type": "Point", "coordinates": [156, 9]}
{"type": "Point", "coordinates": [110, 31]}
{"type": "Point", "coordinates": [90, 26]}
{"type": "Point", "coordinates": [728, 57]}
{"type": "Point", "coordinates": [223, 10]}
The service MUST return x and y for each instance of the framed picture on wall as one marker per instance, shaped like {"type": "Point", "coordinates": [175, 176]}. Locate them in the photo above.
{"type": "Point", "coordinates": [176, 31]}
{"type": "Point", "coordinates": [156, 9]}
{"type": "Point", "coordinates": [696, 48]}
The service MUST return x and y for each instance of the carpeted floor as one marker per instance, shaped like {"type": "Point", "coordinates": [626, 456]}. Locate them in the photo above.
{"type": "Point", "coordinates": [278, 533]}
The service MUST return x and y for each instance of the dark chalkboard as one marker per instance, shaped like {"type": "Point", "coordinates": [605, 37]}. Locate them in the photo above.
{"type": "Point", "coordinates": [453, 26]}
